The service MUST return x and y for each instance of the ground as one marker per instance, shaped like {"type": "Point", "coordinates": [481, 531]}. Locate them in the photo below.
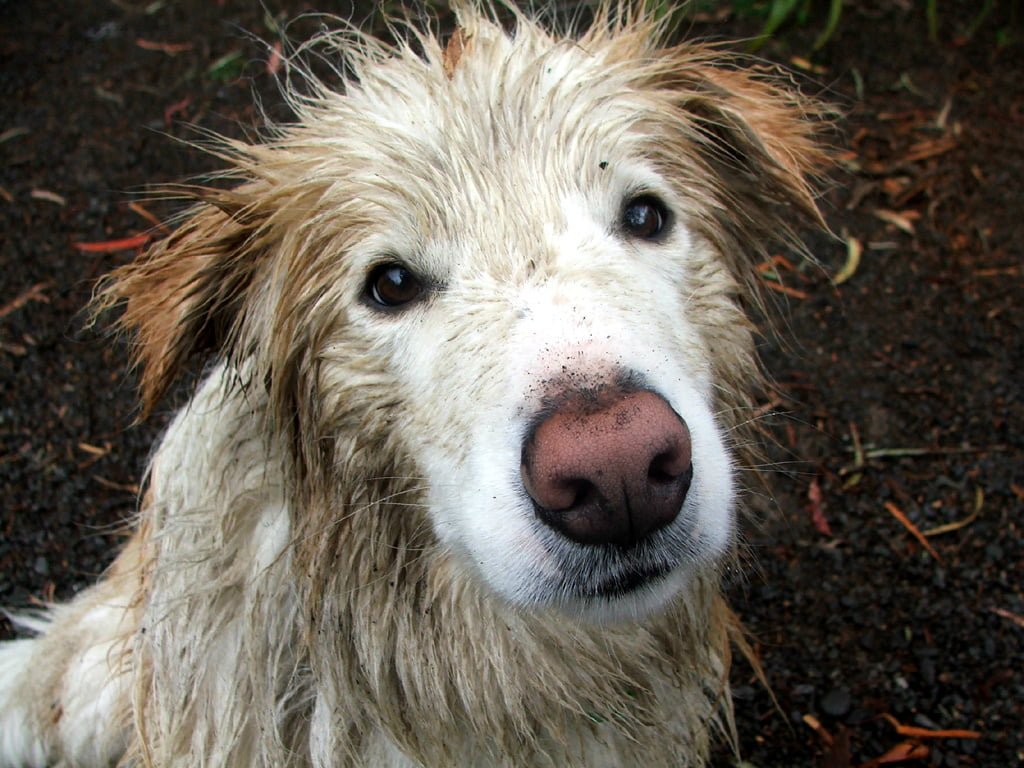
{"type": "Point", "coordinates": [886, 577]}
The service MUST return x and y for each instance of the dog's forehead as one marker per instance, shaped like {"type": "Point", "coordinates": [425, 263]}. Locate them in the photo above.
{"type": "Point", "coordinates": [507, 135]}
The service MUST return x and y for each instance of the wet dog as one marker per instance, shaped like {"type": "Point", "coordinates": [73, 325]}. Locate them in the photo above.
{"type": "Point", "coordinates": [460, 479]}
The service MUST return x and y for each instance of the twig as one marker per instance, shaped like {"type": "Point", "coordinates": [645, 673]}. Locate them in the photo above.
{"type": "Point", "coordinates": [48, 196]}
{"type": "Point", "coordinates": [109, 246]}
{"type": "Point", "coordinates": [1018, 491]}
{"type": "Point", "coordinates": [928, 733]}
{"type": "Point", "coordinates": [858, 459]}
{"type": "Point", "coordinates": [796, 293]}
{"type": "Point", "coordinates": [950, 527]}
{"type": "Point", "coordinates": [34, 293]}
{"type": "Point", "coordinates": [170, 49]}
{"type": "Point", "coordinates": [1016, 619]}
{"type": "Point", "coordinates": [814, 724]}
{"type": "Point", "coordinates": [898, 514]}
{"type": "Point", "coordinates": [899, 453]}
{"type": "Point", "coordinates": [979, 503]}
{"type": "Point", "coordinates": [129, 487]}
{"type": "Point", "coordinates": [141, 210]}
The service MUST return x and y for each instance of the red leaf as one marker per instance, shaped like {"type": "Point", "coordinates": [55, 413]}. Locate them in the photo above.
{"type": "Point", "coordinates": [108, 246]}
{"type": "Point", "coordinates": [816, 508]}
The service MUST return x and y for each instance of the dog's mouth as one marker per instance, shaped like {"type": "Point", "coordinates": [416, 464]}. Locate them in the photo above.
{"type": "Point", "coordinates": [625, 581]}
{"type": "Point", "coordinates": [609, 575]}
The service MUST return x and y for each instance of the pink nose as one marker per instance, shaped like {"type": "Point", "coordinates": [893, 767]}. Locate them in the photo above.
{"type": "Point", "coordinates": [611, 471]}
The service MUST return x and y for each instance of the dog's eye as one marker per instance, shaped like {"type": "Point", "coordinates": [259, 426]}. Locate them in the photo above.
{"type": "Point", "coordinates": [645, 217]}
{"type": "Point", "coordinates": [392, 285]}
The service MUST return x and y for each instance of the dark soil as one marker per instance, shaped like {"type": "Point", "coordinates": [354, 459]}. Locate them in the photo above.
{"type": "Point", "coordinates": [900, 392]}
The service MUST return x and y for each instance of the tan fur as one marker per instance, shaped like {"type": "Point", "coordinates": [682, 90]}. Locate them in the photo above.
{"type": "Point", "coordinates": [285, 600]}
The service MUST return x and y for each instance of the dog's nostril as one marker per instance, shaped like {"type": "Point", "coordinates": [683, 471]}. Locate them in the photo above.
{"type": "Point", "coordinates": [611, 474]}
{"type": "Point", "coordinates": [668, 467]}
{"type": "Point", "coordinates": [570, 494]}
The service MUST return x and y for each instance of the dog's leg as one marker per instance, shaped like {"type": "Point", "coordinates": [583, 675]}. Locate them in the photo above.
{"type": "Point", "coordinates": [65, 695]}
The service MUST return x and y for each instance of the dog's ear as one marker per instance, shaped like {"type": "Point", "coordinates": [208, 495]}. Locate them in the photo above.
{"type": "Point", "coordinates": [760, 145]}
{"type": "Point", "coordinates": [184, 298]}
{"type": "Point", "coordinates": [760, 134]}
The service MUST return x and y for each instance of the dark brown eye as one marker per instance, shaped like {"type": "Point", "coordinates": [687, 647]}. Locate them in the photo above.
{"type": "Point", "coordinates": [645, 217]}
{"type": "Point", "coordinates": [392, 285]}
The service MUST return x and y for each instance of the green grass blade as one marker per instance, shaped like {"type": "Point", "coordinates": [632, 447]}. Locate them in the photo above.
{"type": "Point", "coordinates": [834, 12]}
{"type": "Point", "coordinates": [778, 12]}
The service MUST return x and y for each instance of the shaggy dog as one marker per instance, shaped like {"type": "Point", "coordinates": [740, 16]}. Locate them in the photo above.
{"type": "Point", "coordinates": [459, 482]}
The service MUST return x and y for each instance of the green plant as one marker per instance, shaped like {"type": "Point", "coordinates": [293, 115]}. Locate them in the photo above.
{"type": "Point", "coordinates": [775, 14]}
{"type": "Point", "coordinates": [779, 12]}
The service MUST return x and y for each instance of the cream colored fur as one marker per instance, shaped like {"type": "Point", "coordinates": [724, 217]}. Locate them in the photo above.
{"type": "Point", "coordinates": [333, 565]}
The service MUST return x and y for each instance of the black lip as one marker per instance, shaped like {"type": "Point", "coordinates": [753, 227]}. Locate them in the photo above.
{"type": "Point", "coordinates": [626, 581]}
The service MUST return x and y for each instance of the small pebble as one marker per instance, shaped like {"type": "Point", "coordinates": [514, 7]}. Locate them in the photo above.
{"type": "Point", "coordinates": [836, 702]}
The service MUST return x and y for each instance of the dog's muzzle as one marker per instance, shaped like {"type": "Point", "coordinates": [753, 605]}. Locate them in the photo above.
{"type": "Point", "coordinates": [609, 466]}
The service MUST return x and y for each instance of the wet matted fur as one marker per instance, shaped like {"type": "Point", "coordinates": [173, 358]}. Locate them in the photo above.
{"type": "Point", "coordinates": [341, 558]}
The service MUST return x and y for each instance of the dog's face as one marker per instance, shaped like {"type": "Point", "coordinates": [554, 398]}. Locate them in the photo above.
{"type": "Point", "coordinates": [520, 258]}
{"type": "Point", "coordinates": [531, 276]}
{"type": "Point", "coordinates": [555, 282]}
{"type": "Point", "coordinates": [542, 324]}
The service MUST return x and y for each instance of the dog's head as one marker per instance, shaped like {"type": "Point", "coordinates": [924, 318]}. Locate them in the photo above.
{"type": "Point", "coordinates": [512, 270]}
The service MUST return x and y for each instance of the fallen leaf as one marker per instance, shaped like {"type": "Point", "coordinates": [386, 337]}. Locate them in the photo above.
{"type": "Point", "coordinates": [903, 752]}
{"type": "Point", "coordinates": [774, 262]}
{"type": "Point", "coordinates": [854, 472]}
{"type": "Point", "coordinates": [170, 49]}
{"type": "Point", "coordinates": [1016, 619]}
{"type": "Point", "coordinates": [12, 133]}
{"type": "Point", "coordinates": [33, 293]}
{"type": "Point", "coordinates": [815, 507]}
{"type": "Point", "coordinates": [837, 754]}
{"type": "Point", "coordinates": [18, 350]}
{"type": "Point", "coordinates": [928, 733]}
{"type": "Point", "coordinates": [815, 724]}
{"type": "Point", "coordinates": [807, 65]}
{"type": "Point", "coordinates": [51, 197]}
{"type": "Point", "coordinates": [109, 246]}
{"type": "Point", "coordinates": [95, 450]}
{"type": "Point", "coordinates": [950, 527]}
{"type": "Point", "coordinates": [796, 293]}
{"type": "Point", "coordinates": [127, 487]}
{"type": "Point", "coordinates": [943, 116]}
{"type": "Point", "coordinates": [139, 209]}
{"type": "Point", "coordinates": [926, 149]}
{"type": "Point", "coordinates": [997, 271]}
{"type": "Point", "coordinates": [172, 109]}
{"type": "Point", "coordinates": [898, 514]}
{"type": "Point", "coordinates": [854, 249]}
{"type": "Point", "coordinates": [274, 62]}
{"type": "Point", "coordinates": [902, 221]}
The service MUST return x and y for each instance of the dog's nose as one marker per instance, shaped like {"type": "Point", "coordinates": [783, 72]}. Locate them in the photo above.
{"type": "Point", "coordinates": [609, 471]}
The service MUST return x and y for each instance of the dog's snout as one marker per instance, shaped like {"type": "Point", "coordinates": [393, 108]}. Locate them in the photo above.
{"type": "Point", "coordinates": [609, 469]}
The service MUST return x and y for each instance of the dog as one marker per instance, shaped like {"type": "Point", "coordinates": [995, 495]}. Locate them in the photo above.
{"type": "Point", "coordinates": [460, 479]}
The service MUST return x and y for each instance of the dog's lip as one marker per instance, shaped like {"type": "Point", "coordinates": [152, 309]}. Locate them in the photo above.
{"type": "Point", "coordinates": [626, 580]}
